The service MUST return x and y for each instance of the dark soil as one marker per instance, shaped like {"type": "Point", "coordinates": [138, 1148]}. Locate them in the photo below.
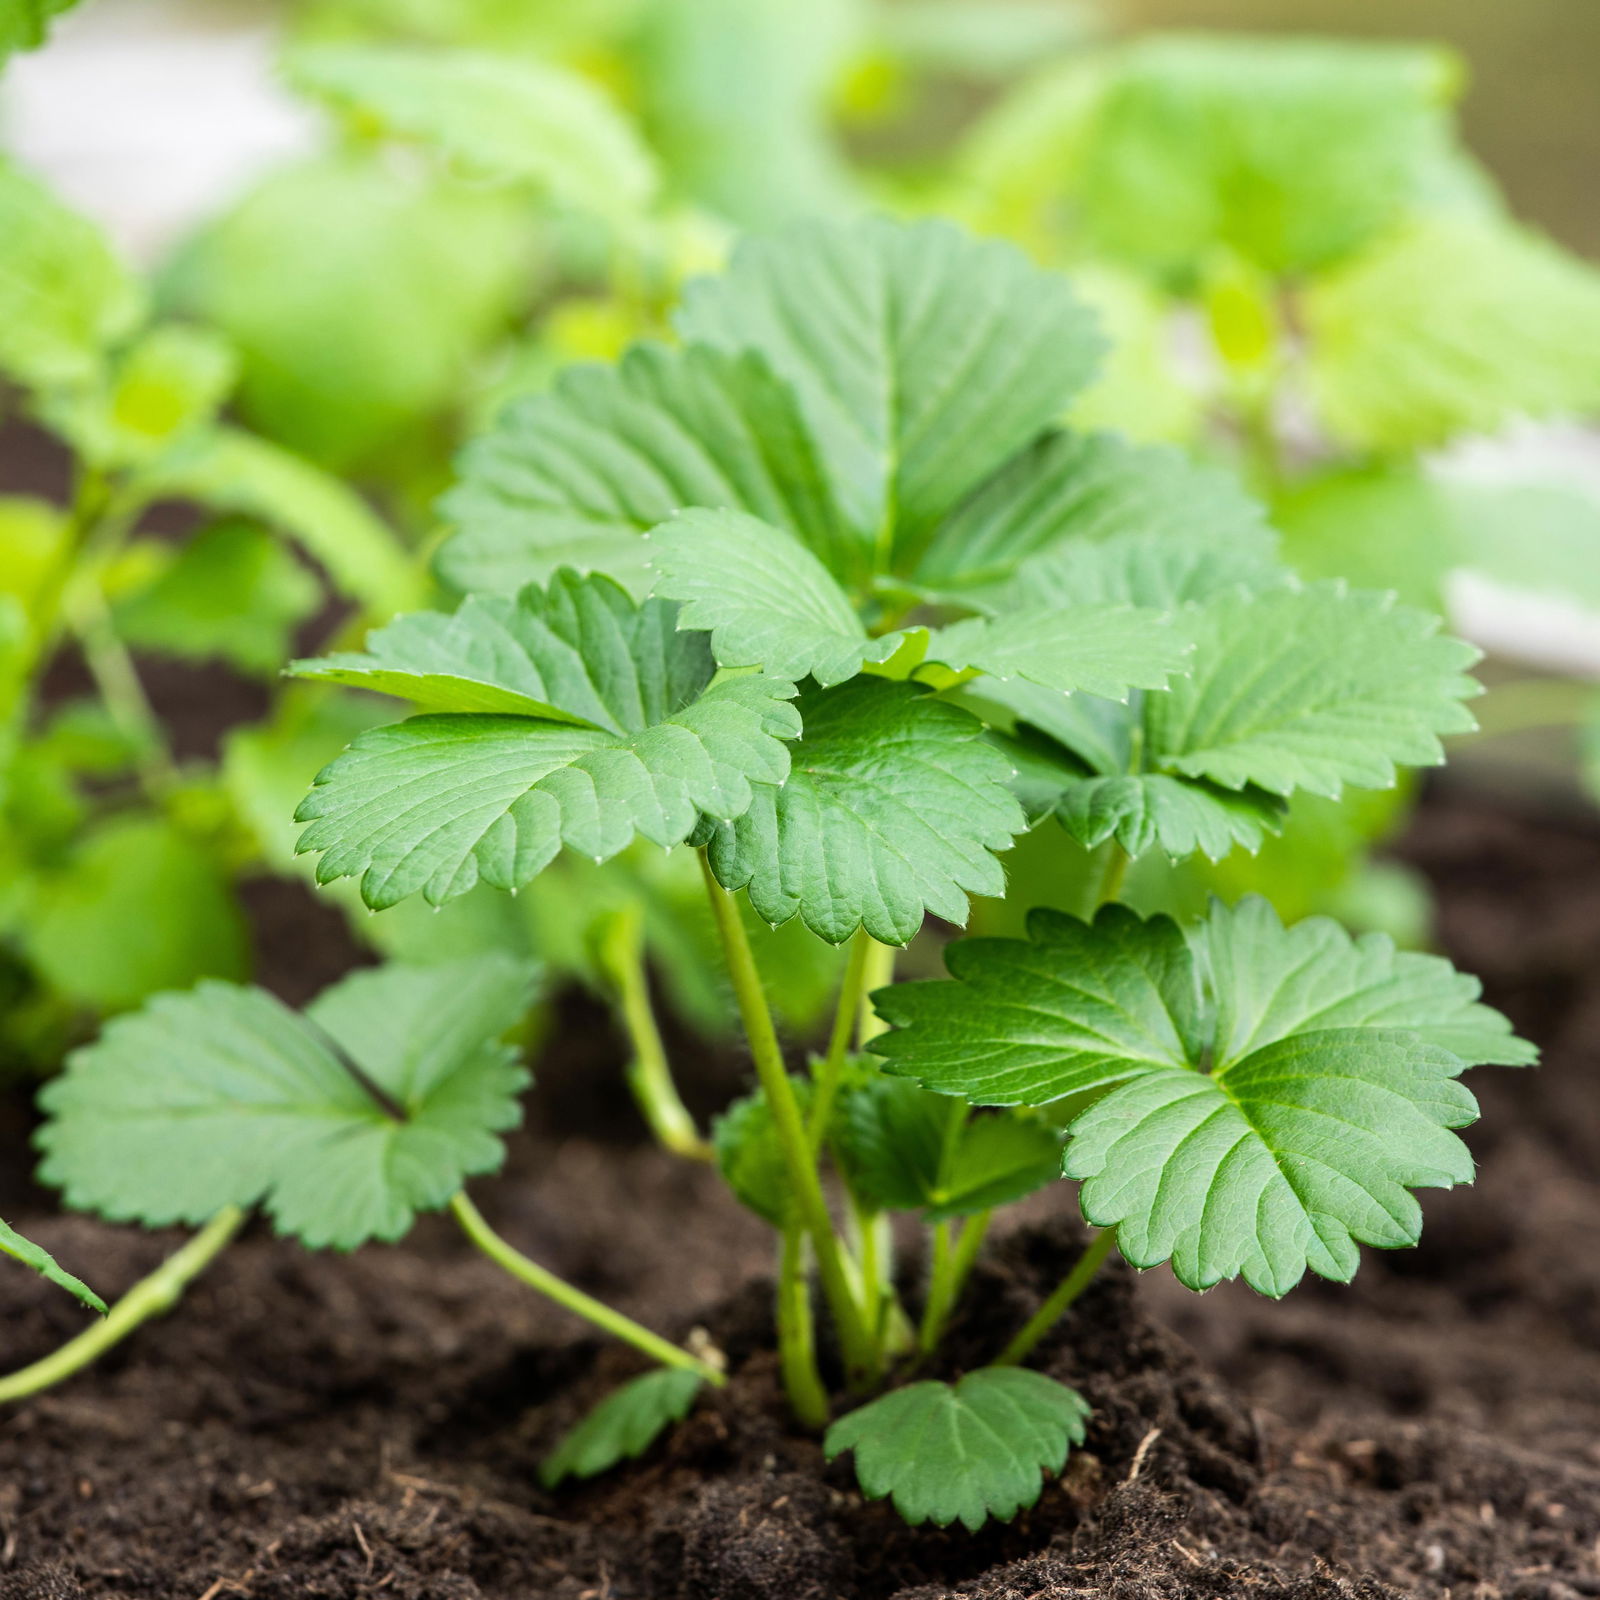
{"type": "Point", "coordinates": [307, 1426]}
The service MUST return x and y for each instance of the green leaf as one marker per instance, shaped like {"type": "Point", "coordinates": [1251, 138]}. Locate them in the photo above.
{"type": "Point", "coordinates": [966, 1451]}
{"type": "Point", "coordinates": [1258, 1099]}
{"type": "Point", "coordinates": [646, 741]}
{"type": "Point", "coordinates": [765, 599]}
{"type": "Point", "coordinates": [65, 298]}
{"type": "Point", "coordinates": [502, 117]}
{"type": "Point", "coordinates": [1288, 152]}
{"type": "Point", "coordinates": [1070, 490]}
{"type": "Point", "coordinates": [36, 1256]}
{"type": "Point", "coordinates": [891, 810]}
{"type": "Point", "coordinates": [924, 358]}
{"type": "Point", "coordinates": [1310, 688]}
{"type": "Point", "coordinates": [25, 24]}
{"type": "Point", "coordinates": [229, 470]}
{"type": "Point", "coordinates": [314, 270]}
{"type": "Point", "coordinates": [223, 1096]}
{"type": "Point", "coordinates": [1182, 817]}
{"type": "Point", "coordinates": [894, 1141]}
{"type": "Point", "coordinates": [1452, 325]}
{"type": "Point", "coordinates": [750, 1155]}
{"type": "Point", "coordinates": [137, 906]}
{"type": "Point", "coordinates": [576, 475]}
{"type": "Point", "coordinates": [232, 594]}
{"type": "Point", "coordinates": [1542, 538]}
{"type": "Point", "coordinates": [623, 1426]}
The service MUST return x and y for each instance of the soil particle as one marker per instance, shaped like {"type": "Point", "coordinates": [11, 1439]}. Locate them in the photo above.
{"type": "Point", "coordinates": [316, 1426]}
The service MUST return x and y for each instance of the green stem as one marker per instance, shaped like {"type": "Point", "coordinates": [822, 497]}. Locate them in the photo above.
{"type": "Point", "coordinates": [1112, 875]}
{"type": "Point", "coordinates": [1532, 703]}
{"type": "Point", "coordinates": [790, 1126]}
{"type": "Point", "coordinates": [852, 993]}
{"type": "Point", "coordinates": [151, 1296]}
{"type": "Point", "coordinates": [954, 1255]}
{"type": "Point", "coordinates": [1070, 1287]}
{"type": "Point", "coordinates": [797, 1353]}
{"type": "Point", "coordinates": [621, 955]}
{"type": "Point", "coordinates": [574, 1300]}
{"type": "Point", "coordinates": [879, 974]}
{"type": "Point", "coordinates": [117, 680]}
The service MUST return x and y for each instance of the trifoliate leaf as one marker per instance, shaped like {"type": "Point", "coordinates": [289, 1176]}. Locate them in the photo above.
{"type": "Point", "coordinates": [924, 358]}
{"type": "Point", "coordinates": [576, 475]}
{"type": "Point", "coordinates": [892, 808]}
{"type": "Point", "coordinates": [36, 1256]}
{"type": "Point", "coordinates": [766, 600]}
{"type": "Point", "coordinates": [1452, 326]}
{"type": "Point", "coordinates": [1313, 689]}
{"type": "Point", "coordinates": [1287, 152]}
{"type": "Point", "coordinates": [646, 742]}
{"type": "Point", "coordinates": [966, 1451]}
{"type": "Point", "coordinates": [1072, 489]}
{"type": "Point", "coordinates": [624, 1425]}
{"type": "Point", "coordinates": [894, 1141]}
{"type": "Point", "coordinates": [65, 298]}
{"type": "Point", "coordinates": [1264, 1098]}
{"type": "Point", "coordinates": [233, 593]}
{"type": "Point", "coordinates": [223, 1096]}
{"type": "Point", "coordinates": [502, 117]}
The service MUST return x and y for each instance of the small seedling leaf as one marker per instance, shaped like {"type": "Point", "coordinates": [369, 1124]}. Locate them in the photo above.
{"type": "Point", "coordinates": [623, 1426]}
{"type": "Point", "coordinates": [224, 1096]}
{"type": "Point", "coordinates": [36, 1256]}
{"type": "Point", "coordinates": [893, 808]}
{"type": "Point", "coordinates": [963, 1452]}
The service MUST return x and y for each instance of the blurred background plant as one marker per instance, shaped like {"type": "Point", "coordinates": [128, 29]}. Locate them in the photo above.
{"type": "Point", "coordinates": [384, 219]}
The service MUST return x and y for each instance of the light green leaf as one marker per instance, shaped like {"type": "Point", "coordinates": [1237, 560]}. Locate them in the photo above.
{"type": "Point", "coordinates": [766, 600]}
{"type": "Point", "coordinates": [1288, 152]}
{"type": "Point", "coordinates": [232, 594]}
{"type": "Point", "coordinates": [893, 1139]}
{"type": "Point", "coordinates": [1259, 1100]}
{"type": "Point", "coordinates": [36, 1256]}
{"type": "Point", "coordinates": [923, 357]}
{"type": "Point", "coordinates": [1070, 1009]}
{"type": "Point", "coordinates": [65, 298]}
{"type": "Point", "coordinates": [1070, 489]}
{"type": "Point", "coordinates": [1310, 688]}
{"type": "Point", "coordinates": [223, 1096]}
{"type": "Point", "coordinates": [1100, 650]}
{"type": "Point", "coordinates": [314, 270]}
{"type": "Point", "coordinates": [1180, 816]}
{"type": "Point", "coordinates": [750, 1155]}
{"type": "Point", "coordinates": [502, 117]}
{"type": "Point", "coordinates": [1452, 325]}
{"type": "Point", "coordinates": [230, 470]}
{"type": "Point", "coordinates": [576, 475]}
{"type": "Point", "coordinates": [891, 810]}
{"type": "Point", "coordinates": [966, 1451]}
{"type": "Point", "coordinates": [1542, 538]}
{"type": "Point", "coordinates": [623, 1426]}
{"type": "Point", "coordinates": [136, 906]}
{"type": "Point", "coordinates": [645, 743]}
{"type": "Point", "coordinates": [25, 24]}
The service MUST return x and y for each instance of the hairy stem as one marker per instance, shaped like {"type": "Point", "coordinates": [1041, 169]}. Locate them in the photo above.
{"type": "Point", "coordinates": [151, 1296]}
{"type": "Point", "coordinates": [954, 1254]}
{"type": "Point", "coordinates": [852, 994]}
{"type": "Point", "coordinates": [575, 1300]}
{"type": "Point", "coordinates": [793, 1139]}
{"type": "Point", "coordinates": [797, 1353]}
{"type": "Point", "coordinates": [1068, 1290]}
{"type": "Point", "coordinates": [621, 956]}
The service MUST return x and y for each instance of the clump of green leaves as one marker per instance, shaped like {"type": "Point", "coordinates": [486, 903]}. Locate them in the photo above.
{"type": "Point", "coordinates": [829, 596]}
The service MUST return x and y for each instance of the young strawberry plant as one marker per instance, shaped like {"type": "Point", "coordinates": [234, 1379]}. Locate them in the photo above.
{"type": "Point", "coordinates": [826, 595]}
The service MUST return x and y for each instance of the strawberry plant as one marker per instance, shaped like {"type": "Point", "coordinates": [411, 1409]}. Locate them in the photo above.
{"type": "Point", "coordinates": [827, 598]}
